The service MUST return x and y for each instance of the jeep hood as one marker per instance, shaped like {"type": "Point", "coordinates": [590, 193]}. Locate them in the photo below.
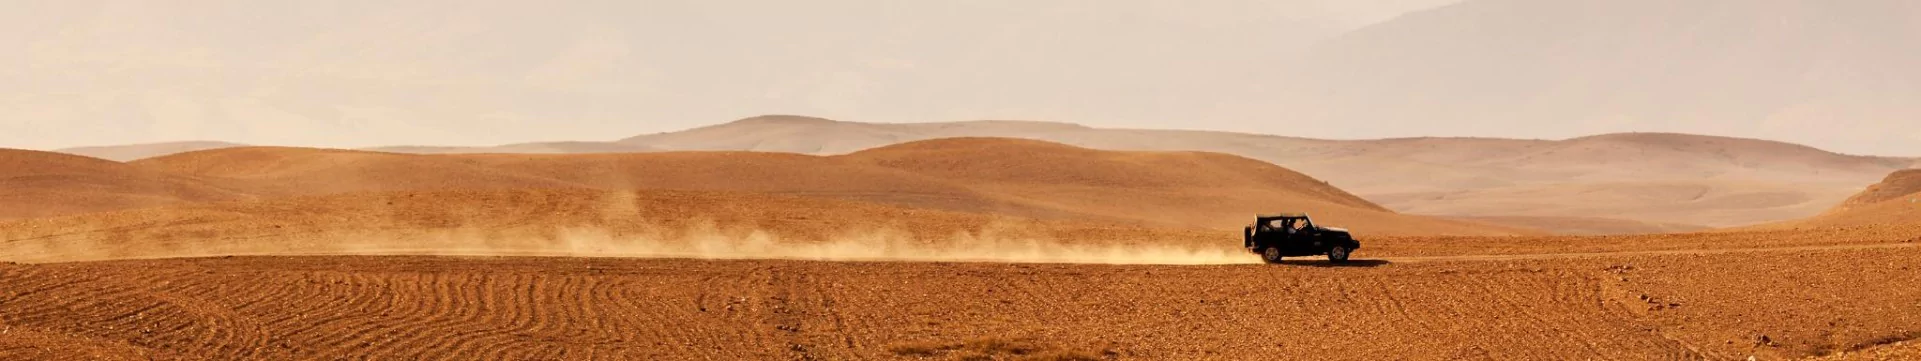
{"type": "Point", "coordinates": [1333, 229]}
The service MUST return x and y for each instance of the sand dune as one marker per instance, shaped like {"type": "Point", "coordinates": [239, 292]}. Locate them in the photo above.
{"type": "Point", "coordinates": [1015, 162]}
{"type": "Point", "coordinates": [131, 152]}
{"type": "Point", "coordinates": [34, 184]}
{"type": "Point", "coordinates": [1478, 176]}
{"type": "Point", "coordinates": [1174, 189]}
{"type": "Point", "coordinates": [282, 171]}
{"type": "Point", "coordinates": [1186, 189]}
{"type": "Point", "coordinates": [309, 171]}
{"type": "Point", "coordinates": [1607, 156]}
{"type": "Point", "coordinates": [777, 173]}
{"type": "Point", "coordinates": [1661, 155]}
{"type": "Point", "coordinates": [1019, 178]}
{"type": "Point", "coordinates": [525, 148]}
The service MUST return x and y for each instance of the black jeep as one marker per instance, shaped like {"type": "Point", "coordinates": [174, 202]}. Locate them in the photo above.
{"type": "Point", "coordinates": [1293, 235]}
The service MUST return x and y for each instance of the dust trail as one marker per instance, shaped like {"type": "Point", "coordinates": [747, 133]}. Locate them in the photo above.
{"type": "Point", "coordinates": [844, 251]}
{"type": "Point", "coordinates": [608, 227]}
{"type": "Point", "coordinates": [705, 241]}
{"type": "Point", "coordinates": [880, 244]}
{"type": "Point", "coordinates": [883, 245]}
{"type": "Point", "coordinates": [698, 241]}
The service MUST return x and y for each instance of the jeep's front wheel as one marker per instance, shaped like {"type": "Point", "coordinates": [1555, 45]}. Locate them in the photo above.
{"type": "Point", "coordinates": [1271, 254]}
{"type": "Point", "coordinates": [1338, 254]}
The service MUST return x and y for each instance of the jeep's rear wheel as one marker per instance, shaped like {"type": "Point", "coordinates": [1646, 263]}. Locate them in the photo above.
{"type": "Point", "coordinates": [1271, 254]}
{"type": "Point", "coordinates": [1338, 254]}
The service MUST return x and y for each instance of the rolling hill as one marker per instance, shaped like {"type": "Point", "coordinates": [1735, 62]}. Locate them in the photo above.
{"type": "Point", "coordinates": [1016, 162]}
{"type": "Point", "coordinates": [1718, 181]}
{"type": "Point", "coordinates": [1895, 187]}
{"type": "Point", "coordinates": [813, 135]}
{"type": "Point", "coordinates": [1180, 188]}
{"type": "Point", "coordinates": [131, 152]}
{"type": "Point", "coordinates": [757, 172]}
{"type": "Point", "coordinates": [277, 200]}
{"type": "Point", "coordinates": [36, 184]}
{"type": "Point", "coordinates": [1896, 199]}
{"type": "Point", "coordinates": [1021, 178]}
{"type": "Point", "coordinates": [286, 171]}
{"type": "Point", "coordinates": [524, 148]}
{"type": "Point", "coordinates": [1609, 183]}
{"type": "Point", "coordinates": [1642, 156]}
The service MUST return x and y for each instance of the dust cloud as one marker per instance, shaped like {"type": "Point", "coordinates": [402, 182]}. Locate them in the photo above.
{"type": "Point", "coordinates": [879, 244]}
{"type": "Point", "coordinates": [700, 242]}
{"type": "Point", "coordinates": [891, 245]}
{"type": "Point", "coordinates": [609, 230]}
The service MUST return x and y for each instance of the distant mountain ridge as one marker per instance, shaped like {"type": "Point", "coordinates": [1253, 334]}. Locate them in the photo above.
{"type": "Point", "coordinates": [1669, 180]}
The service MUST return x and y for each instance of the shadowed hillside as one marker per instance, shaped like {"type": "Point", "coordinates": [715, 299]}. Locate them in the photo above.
{"type": "Point", "coordinates": [1897, 199]}
{"type": "Point", "coordinates": [1898, 185]}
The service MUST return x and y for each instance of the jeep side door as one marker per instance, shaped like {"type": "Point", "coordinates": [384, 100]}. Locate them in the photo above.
{"type": "Point", "coordinates": [1295, 237]}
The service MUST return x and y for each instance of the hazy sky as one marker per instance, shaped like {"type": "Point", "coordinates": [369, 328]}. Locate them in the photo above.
{"type": "Point", "coordinates": [369, 73]}
{"type": "Point", "coordinates": [359, 73]}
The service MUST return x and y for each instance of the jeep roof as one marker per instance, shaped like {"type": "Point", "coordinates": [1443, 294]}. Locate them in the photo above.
{"type": "Point", "coordinates": [1280, 216]}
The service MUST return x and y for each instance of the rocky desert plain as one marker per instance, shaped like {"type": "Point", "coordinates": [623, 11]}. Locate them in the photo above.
{"type": "Point", "coordinates": [799, 238]}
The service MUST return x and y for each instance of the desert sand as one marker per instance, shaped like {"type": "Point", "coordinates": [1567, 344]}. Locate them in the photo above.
{"type": "Point", "coordinates": [1679, 306]}
{"type": "Point", "coordinates": [1604, 184]}
{"type": "Point", "coordinates": [950, 249]}
{"type": "Point", "coordinates": [1048, 180]}
{"type": "Point", "coordinates": [989, 180]}
{"type": "Point", "coordinates": [36, 184]}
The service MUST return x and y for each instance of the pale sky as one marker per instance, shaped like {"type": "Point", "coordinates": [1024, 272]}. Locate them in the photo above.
{"type": "Point", "coordinates": [365, 73]}
{"type": "Point", "coordinates": [373, 73]}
